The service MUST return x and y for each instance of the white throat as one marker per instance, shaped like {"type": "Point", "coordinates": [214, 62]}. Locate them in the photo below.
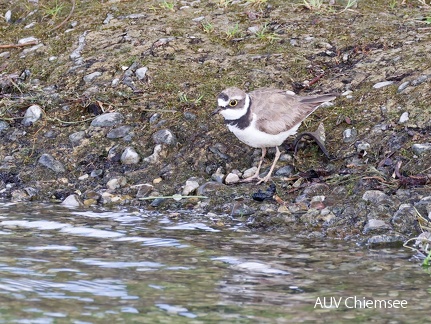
{"type": "Point", "coordinates": [234, 113]}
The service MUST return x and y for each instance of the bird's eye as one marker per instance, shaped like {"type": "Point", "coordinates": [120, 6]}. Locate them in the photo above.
{"type": "Point", "coordinates": [233, 103]}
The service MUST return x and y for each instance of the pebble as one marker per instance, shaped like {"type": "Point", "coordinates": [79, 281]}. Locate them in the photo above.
{"type": "Point", "coordinates": [375, 196]}
{"type": "Point", "coordinates": [32, 114]}
{"type": "Point", "coordinates": [218, 176]}
{"type": "Point", "coordinates": [231, 178]}
{"type": "Point", "coordinates": [8, 16]}
{"type": "Point", "coordinates": [209, 187]}
{"type": "Point", "coordinates": [119, 132]}
{"type": "Point", "coordinates": [403, 118]}
{"type": "Point", "coordinates": [108, 18]}
{"type": "Point", "coordinates": [116, 183]}
{"type": "Point", "coordinates": [198, 19]}
{"type": "Point", "coordinates": [379, 85]}
{"type": "Point", "coordinates": [129, 156]}
{"type": "Point", "coordinates": [349, 135]}
{"type": "Point", "coordinates": [362, 147]}
{"type": "Point", "coordinates": [420, 80]}
{"type": "Point", "coordinates": [76, 138]}
{"type": "Point", "coordinates": [3, 126]}
{"type": "Point", "coordinates": [375, 225]}
{"type": "Point", "coordinates": [191, 185]}
{"type": "Point", "coordinates": [28, 40]}
{"type": "Point", "coordinates": [72, 201]}
{"type": "Point", "coordinates": [403, 86]}
{"type": "Point", "coordinates": [285, 171]}
{"type": "Point", "coordinates": [141, 73]}
{"type": "Point", "coordinates": [164, 136]}
{"type": "Point", "coordinates": [29, 50]}
{"type": "Point", "coordinates": [5, 55]}
{"type": "Point", "coordinates": [76, 54]}
{"type": "Point", "coordinates": [144, 190]}
{"type": "Point", "coordinates": [420, 149]}
{"type": "Point", "coordinates": [19, 195]}
{"type": "Point", "coordinates": [154, 158]}
{"type": "Point", "coordinates": [253, 29]}
{"type": "Point", "coordinates": [49, 162]}
{"type": "Point", "coordinates": [90, 77]}
{"type": "Point", "coordinates": [249, 172]}
{"type": "Point", "coordinates": [96, 173]}
{"type": "Point", "coordinates": [107, 119]}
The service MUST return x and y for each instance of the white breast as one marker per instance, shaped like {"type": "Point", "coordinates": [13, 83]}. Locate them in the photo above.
{"type": "Point", "coordinates": [255, 138]}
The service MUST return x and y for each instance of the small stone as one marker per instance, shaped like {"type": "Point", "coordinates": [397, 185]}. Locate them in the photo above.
{"type": "Point", "coordinates": [119, 132]}
{"type": "Point", "coordinates": [285, 171]}
{"type": "Point", "coordinates": [198, 19]}
{"type": "Point", "coordinates": [154, 158]}
{"type": "Point", "coordinates": [72, 201]}
{"type": "Point", "coordinates": [129, 156]}
{"type": "Point", "coordinates": [375, 225]}
{"type": "Point", "coordinates": [107, 119]}
{"type": "Point", "coordinates": [231, 178]}
{"type": "Point", "coordinates": [76, 138]}
{"type": "Point", "coordinates": [32, 114]}
{"type": "Point", "coordinates": [164, 136]}
{"type": "Point", "coordinates": [249, 172]}
{"type": "Point", "coordinates": [375, 196]}
{"type": "Point", "coordinates": [96, 173]}
{"type": "Point", "coordinates": [349, 135]}
{"type": "Point", "coordinates": [3, 126]}
{"type": "Point", "coordinates": [209, 187]}
{"type": "Point", "coordinates": [362, 147]}
{"type": "Point", "coordinates": [84, 177]}
{"type": "Point", "coordinates": [420, 80]}
{"type": "Point", "coordinates": [157, 180]}
{"type": "Point", "coordinates": [253, 29]}
{"type": "Point", "coordinates": [116, 183]}
{"type": "Point", "coordinates": [141, 73]}
{"type": "Point", "coordinates": [403, 86]}
{"type": "Point", "coordinates": [218, 176]}
{"type": "Point", "coordinates": [90, 77]}
{"type": "Point", "coordinates": [191, 185]}
{"type": "Point", "coordinates": [5, 55]}
{"type": "Point", "coordinates": [28, 40]}
{"type": "Point", "coordinates": [144, 190]}
{"type": "Point", "coordinates": [403, 118]}
{"type": "Point", "coordinates": [420, 149]}
{"type": "Point", "coordinates": [115, 82]}
{"type": "Point", "coordinates": [8, 16]}
{"type": "Point", "coordinates": [49, 162]}
{"type": "Point", "coordinates": [19, 195]}
{"type": "Point", "coordinates": [108, 18]}
{"type": "Point", "coordinates": [382, 84]}
{"type": "Point", "coordinates": [241, 209]}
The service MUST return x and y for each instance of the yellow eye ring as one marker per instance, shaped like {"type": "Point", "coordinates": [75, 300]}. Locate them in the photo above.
{"type": "Point", "coordinates": [233, 103]}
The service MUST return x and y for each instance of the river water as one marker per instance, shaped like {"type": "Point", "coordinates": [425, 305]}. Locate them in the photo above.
{"type": "Point", "coordinates": [61, 265]}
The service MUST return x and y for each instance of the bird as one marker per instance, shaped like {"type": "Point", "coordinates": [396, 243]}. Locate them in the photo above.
{"type": "Point", "coordinates": [266, 117]}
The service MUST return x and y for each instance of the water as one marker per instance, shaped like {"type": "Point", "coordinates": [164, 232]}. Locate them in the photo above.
{"type": "Point", "coordinates": [66, 266]}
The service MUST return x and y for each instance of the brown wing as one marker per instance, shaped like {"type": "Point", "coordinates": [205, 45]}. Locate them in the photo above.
{"type": "Point", "coordinates": [280, 111]}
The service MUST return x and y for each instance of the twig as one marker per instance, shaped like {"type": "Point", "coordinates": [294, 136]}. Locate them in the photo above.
{"type": "Point", "coordinates": [19, 45]}
{"type": "Point", "coordinates": [66, 19]}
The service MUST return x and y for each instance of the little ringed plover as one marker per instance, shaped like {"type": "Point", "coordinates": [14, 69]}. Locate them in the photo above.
{"type": "Point", "coordinates": [265, 117]}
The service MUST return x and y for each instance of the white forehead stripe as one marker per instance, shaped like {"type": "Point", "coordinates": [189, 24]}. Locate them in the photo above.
{"type": "Point", "coordinates": [221, 102]}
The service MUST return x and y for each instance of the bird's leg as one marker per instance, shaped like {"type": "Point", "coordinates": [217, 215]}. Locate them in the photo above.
{"type": "Point", "coordinates": [256, 175]}
{"type": "Point", "coordinates": [316, 138]}
{"type": "Point", "coordinates": [268, 176]}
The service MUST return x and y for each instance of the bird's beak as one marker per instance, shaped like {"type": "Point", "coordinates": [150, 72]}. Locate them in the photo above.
{"type": "Point", "coordinates": [216, 111]}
